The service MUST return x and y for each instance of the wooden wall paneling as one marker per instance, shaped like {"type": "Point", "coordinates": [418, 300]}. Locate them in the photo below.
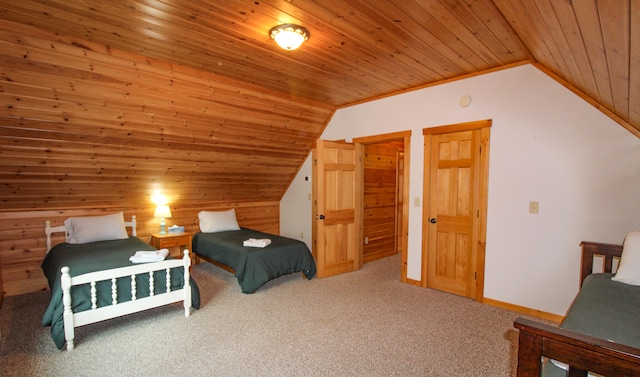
{"type": "Point", "coordinates": [587, 16]}
{"type": "Point", "coordinates": [216, 37]}
{"type": "Point", "coordinates": [366, 28]}
{"type": "Point", "coordinates": [1, 286]}
{"type": "Point", "coordinates": [90, 130]}
{"type": "Point", "coordinates": [263, 18]}
{"type": "Point", "coordinates": [358, 51]}
{"type": "Point", "coordinates": [255, 26]}
{"type": "Point", "coordinates": [184, 106]}
{"type": "Point", "coordinates": [400, 154]}
{"type": "Point", "coordinates": [445, 26]}
{"type": "Point", "coordinates": [379, 21]}
{"type": "Point", "coordinates": [189, 50]}
{"type": "Point", "coordinates": [565, 49]}
{"type": "Point", "coordinates": [498, 35]}
{"type": "Point", "coordinates": [97, 117]}
{"type": "Point", "coordinates": [525, 17]}
{"type": "Point", "coordinates": [321, 57]}
{"type": "Point", "coordinates": [566, 25]}
{"type": "Point", "coordinates": [616, 35]}
{"type": "Point", "coordinates": [23, 241]}
{"type": "Point", "coordinates": [380, 199]}
{"type": "Point", "coordinates": [23, 246]}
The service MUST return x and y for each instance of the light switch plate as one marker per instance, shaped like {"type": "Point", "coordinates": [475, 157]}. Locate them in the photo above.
{"type": "Point", "coordinates": [534, 207]}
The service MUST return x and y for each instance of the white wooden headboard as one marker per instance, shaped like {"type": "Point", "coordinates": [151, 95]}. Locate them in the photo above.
{"type": "Point", "coordinates": [48, 230]}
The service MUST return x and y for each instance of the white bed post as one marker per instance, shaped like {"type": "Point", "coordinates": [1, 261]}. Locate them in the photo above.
{"type": "Point", "coordinates": [47, 231]}
{"type": "Point", "coordinates": [134, 224]}
{"type": "Point", "coordinates": [69, 327]}
{"type": "Point", "coordinates": [187, 285]}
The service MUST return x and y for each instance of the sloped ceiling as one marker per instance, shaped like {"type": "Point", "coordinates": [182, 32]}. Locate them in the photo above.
{"type": "Point", "coordinates": [364, 49]}
{"type": "Point", "coordinates": [359, 50]}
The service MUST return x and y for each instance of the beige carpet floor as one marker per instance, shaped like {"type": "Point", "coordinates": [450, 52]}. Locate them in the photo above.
{"type": "Point", "coordinates": [365, 323]}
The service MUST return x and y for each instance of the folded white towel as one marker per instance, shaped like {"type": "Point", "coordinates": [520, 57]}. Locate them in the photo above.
{"type": "Point", "coordinates": [149, 256]}
{"type": "Point", "coordinates": [257, 242]}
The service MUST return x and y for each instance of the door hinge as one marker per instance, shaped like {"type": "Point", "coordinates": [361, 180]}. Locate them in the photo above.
{"type": "Point", "coordinates": [480, 149]}
{"type": "Point", "coordinates": [475, 275]}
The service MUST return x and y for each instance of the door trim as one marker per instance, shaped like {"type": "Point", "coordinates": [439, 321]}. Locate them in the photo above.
{"type": "Point", "coordinates": [480, 206]}
{"type": "Point", "coordinates": [406, 137]}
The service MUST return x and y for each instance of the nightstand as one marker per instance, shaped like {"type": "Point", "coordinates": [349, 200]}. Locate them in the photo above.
{"type": "Point", "coordinates": [175, 242]}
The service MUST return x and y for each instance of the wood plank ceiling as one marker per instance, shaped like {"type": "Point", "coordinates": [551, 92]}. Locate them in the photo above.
{"type": "Point", "coordinates": [363, 49]}
{"type": "Point", "coordinates": [358, 50]}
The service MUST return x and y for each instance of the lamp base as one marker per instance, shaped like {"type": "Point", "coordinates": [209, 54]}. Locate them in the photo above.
{"type": "Point", "coordinates": [163, 226]}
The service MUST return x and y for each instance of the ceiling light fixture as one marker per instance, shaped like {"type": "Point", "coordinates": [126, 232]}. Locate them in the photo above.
{"type": "Point", "coordinates": [289, 36]}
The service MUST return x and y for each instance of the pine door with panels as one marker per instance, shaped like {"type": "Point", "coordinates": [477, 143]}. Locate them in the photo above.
{"type": "Point", "coordinates": [337, 193]}
{"type": "Point", "coordinates": [454, 218]}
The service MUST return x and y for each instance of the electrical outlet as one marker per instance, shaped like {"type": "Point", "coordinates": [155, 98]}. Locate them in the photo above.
{"type": "Point", "coordinates": [366, 240]}
{"type": "Point", "coordinates": [416, 202]}
{"type": "Point", "coordinates": [301, 235]}
{"type": "Point", "coordinates": [534, 207]}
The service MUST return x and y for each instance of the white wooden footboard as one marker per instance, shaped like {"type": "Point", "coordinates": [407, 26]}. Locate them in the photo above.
{"type": "Point", "coordinates": [116, 309]}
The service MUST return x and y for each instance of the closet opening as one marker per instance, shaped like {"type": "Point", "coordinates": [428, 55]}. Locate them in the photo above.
{"type": "Point", "coordinates": [385, 180]}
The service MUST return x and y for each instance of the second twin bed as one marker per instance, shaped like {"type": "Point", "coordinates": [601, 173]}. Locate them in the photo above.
{"type": "Point", "coordinates": [220, 241]}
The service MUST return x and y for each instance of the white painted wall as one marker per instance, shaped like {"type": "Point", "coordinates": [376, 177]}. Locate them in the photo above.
{"type": "Point", "coordinates": [295, 206]}
{"type": "Point", "coordinates": [547, 145]}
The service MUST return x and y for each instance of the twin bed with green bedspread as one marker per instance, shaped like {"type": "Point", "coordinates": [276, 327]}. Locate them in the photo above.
{"type": "Point", "coordinates": [103, 256]}
{"type": "Point", "coordinates": [254, 266]}
{"type": "Point", "coordinates": [604, 309]}
{"type": "Point", "coordinates": [600, 334]}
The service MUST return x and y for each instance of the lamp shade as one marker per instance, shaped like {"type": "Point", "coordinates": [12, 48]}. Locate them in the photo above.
{"type": "Point", "coordinates": [162, 211]}
{"type": "Point", "coordinates": [289, 36]}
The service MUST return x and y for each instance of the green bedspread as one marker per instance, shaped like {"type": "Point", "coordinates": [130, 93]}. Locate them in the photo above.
{"type": "Point", "coordinates": [98, 256]}
{"type": "Point", "coordinates": [604, 309]}
{"type": "Point", "coordinates": [255, 266]}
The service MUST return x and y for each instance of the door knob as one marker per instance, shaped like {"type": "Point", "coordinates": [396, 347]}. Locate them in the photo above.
{"type": "Point", "coordinates": [321, 217]}
{"type": "Point", "coordinates": [433, 220]}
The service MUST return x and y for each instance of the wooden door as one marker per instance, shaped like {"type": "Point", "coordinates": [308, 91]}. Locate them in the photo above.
{"type": "Point", "coordinates": [455, 208]}
{"type": "Point", "coordinates": [336, 207]}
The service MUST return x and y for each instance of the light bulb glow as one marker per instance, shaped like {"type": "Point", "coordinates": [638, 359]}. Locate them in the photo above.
{"type": "Point", "coordinates": [289, 36]}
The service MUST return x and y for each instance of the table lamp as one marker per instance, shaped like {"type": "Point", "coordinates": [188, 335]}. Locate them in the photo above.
{"type": "Point", "coordinates": [162, 211]}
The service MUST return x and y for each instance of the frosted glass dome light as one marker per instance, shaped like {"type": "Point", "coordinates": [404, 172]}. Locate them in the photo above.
{"type": "Point", "coordinates": [289, 36]}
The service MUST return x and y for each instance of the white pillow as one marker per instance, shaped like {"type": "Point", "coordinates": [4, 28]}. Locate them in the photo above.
{"type": "Point", "coordinates": [218, 221]}
{"type": "Point", "coordinates": [629, 268]}
{"type": "Point", "coordinates": [95, 228]}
